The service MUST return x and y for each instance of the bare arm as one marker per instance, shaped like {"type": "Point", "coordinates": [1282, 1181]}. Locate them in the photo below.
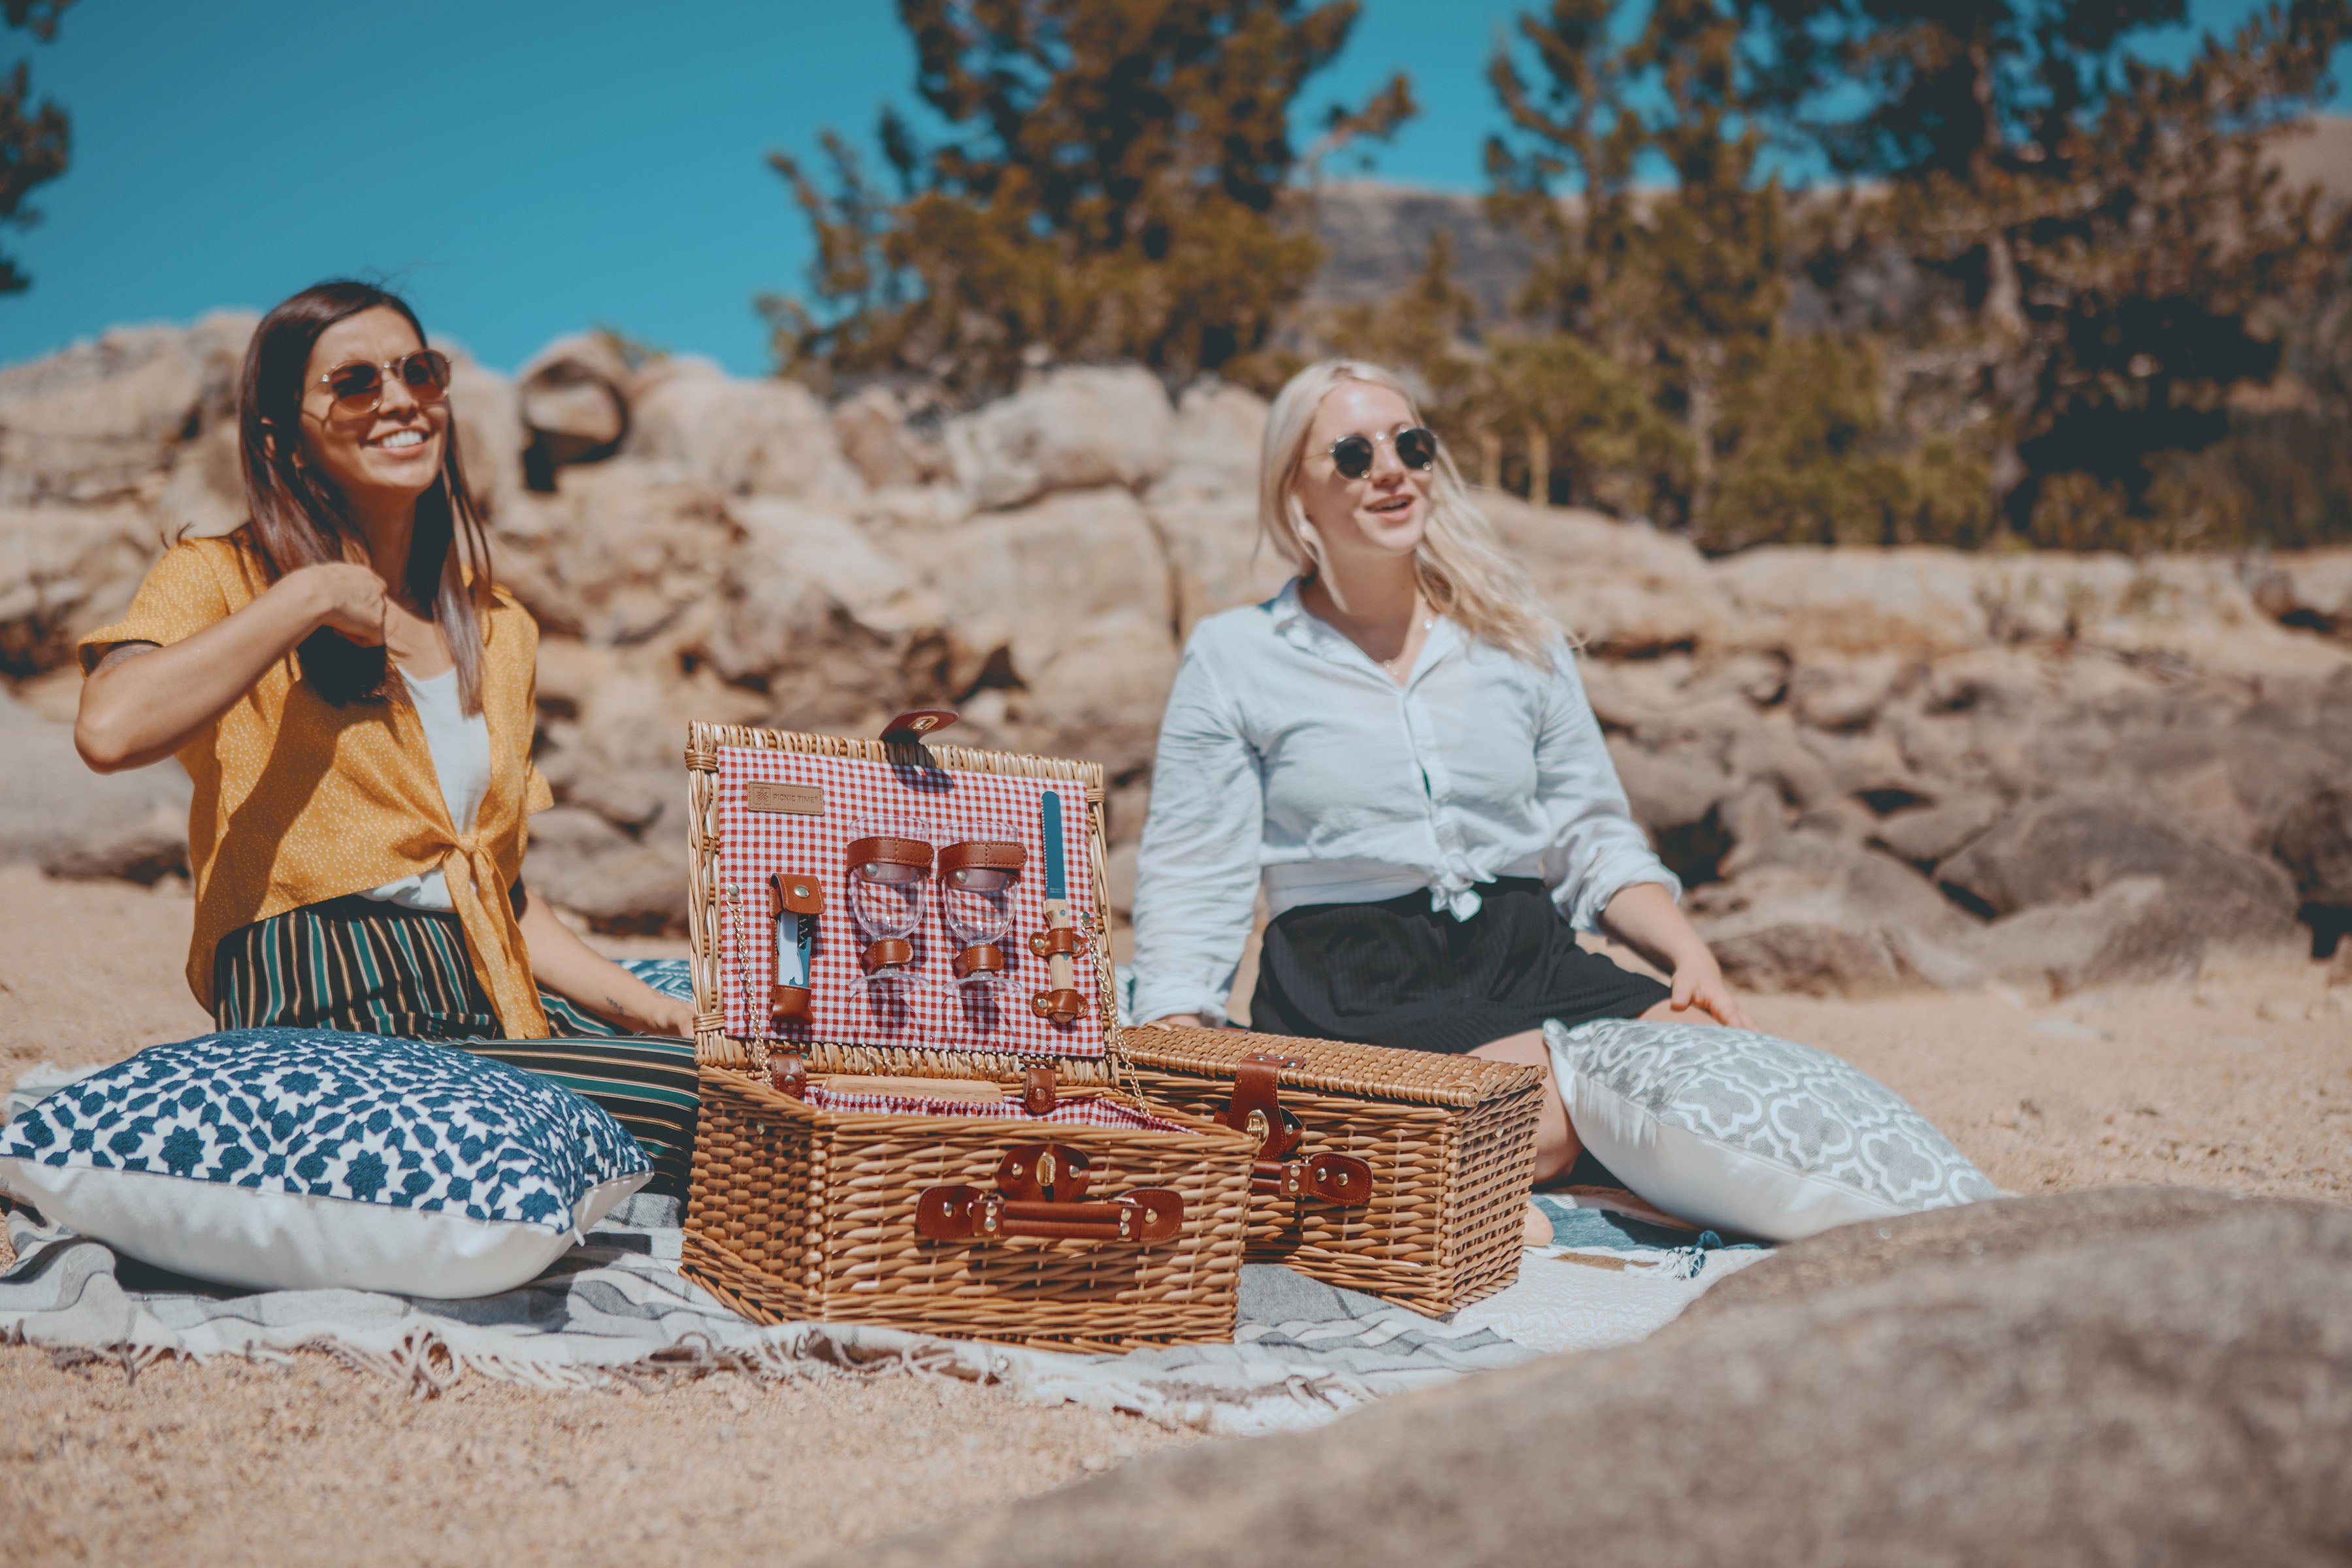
{"type": "Point", "coordinates": [1643, 916]}
{"type": "Point", "coordinates": [143, 702]}
{"type": "Point", "coordinates": [564, 964]}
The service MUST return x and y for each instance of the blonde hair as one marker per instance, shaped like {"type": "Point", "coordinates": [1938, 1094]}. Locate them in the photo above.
{"type": "Point", "coordinates": [1462, 571]}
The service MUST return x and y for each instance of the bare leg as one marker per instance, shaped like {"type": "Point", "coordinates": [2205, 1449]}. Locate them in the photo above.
{"type": "Point", "coordinates": [1557, 1144]}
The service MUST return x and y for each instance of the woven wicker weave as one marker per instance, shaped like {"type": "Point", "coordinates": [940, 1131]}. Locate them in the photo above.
{"type": "Point", "coordinates": [1450, 1141]}
{"type": "Point", "coordinates": [802, 1212]}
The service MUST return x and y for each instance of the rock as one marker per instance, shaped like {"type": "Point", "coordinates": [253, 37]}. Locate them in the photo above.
{"type": "Point", "coordinates": [1118, 878]}
{"type": "Point", "coordinates": [1912, 601]}
{"type": "Point", "coordinates": [2310, 589]}
{"type": "Point", "coordinates": [101, 419]}
{"type": "Point", "coordinates": [1072, 429]}
{"type": "Point", "coordinates": [492, 435]}
{"type": "Point", "coordinates": [624, 551]}
{"type": "Point", "coordinates": [1926, 834]}
{"type": "Point", "coordinates": [2132, 929]}
{"type": "Point", "coordinates": [833, 629]}
{"type": "Point", "coordinates": [2158, 1388]}
{"type": "Point", "coordinates": [1025, 583]}
{"type": "Point", "coordinates": [2314, 845]}
{"type": "Point", "coordinates": [1810, 913]}
{"type": "Point", "coordinates": [54, 811]}
{"type": "Point", "coordinates": [2062, 849]}
{"type": "Point", "coordinates": [613, 732]}
{"type": "Point", "coordinates": [1771, 749]}
{"type": "Point", "coordinates": [64, 571]}
{"type": "Point", "coordinates": [1215, 445]}
{"type": "Point", "coordinates": [1098, 695]}
{"type": "Point", "coordinates": [572, 400]}
{"type": "Point", "coordinates": [764, 437]}
{"type": "Point", "coordinates": [879, 437]}
{"type": "Point", "coordinates": [1624, 590]}
{"type": "Point", "coordinates": [1217, 557]}
{"type": "Point", "coordinates": [575, 859]}
{"type": "Point", "coordinates": [1675, 798]}
{"type": "Point", "coordinates": [1846, 694]}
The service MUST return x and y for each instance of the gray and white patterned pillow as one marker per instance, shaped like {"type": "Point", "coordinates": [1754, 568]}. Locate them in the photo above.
{"type": "Point", "coordinates": [1750, 1133]}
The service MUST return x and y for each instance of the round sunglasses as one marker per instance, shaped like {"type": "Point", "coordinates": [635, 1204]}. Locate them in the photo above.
{"type": "Point", "coordinates": [358, 386]}
{"type": "Point", "coordinates": [1416, 448]}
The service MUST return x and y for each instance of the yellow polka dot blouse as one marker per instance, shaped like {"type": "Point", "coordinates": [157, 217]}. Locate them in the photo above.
{"type": "Point", "coordinates": [297, 801]}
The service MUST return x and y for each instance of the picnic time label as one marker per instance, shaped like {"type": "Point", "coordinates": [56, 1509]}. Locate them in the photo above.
{"type": "Point", "coordinates": [796, 800]}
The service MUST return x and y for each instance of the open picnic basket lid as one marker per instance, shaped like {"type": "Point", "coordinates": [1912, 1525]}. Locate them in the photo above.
{"type": "Point", "coordinates": [769, 803]}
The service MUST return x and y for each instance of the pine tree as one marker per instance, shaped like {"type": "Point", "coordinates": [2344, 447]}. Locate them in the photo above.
{"type": "Point", "coordinates": [35, 142]}
{"type": "Point", "coordinates": [1115, 181]}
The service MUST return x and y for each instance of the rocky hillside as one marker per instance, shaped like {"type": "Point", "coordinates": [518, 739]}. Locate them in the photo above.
{"type": "Point", "coordinates": [1876, 768]}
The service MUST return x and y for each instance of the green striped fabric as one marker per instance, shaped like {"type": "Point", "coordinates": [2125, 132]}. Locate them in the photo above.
{"type": "Point", "coordinates": [374, 968]}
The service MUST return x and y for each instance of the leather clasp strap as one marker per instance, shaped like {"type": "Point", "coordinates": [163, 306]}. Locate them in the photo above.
{"type": "Point", "coordinates": [1044, 1173]}
{"type": "Point", "coordinates": [790, 892]}
{"type": "Point", "coordinates": [788, 1074]}
{"type": "Point", "coordinates": [881, 954]}
{"type": "Point", "coordinates": [916, 725]}
{"type": "Point", "coordinates": [1038, 1090]}
{"type": "Point", "coordinates": [982, 855]}
{"type": "Point", "coordinates": [966, 1213]}
{"type": "Point", "coordinates": [1061, 1007]}
{"type": "Point", "coordinates": [1064, 940]}
{"type": "Point", "coordinates": [882, 850]}
{"type": "Point", "coordinates": [1340, 1179]}
{"type": "Point", "coordinates": [787, 1004]}
{"type": "Point", "coordinates": [980, 958]}
{"type": "Point", "coordinates": [1256, 1108]}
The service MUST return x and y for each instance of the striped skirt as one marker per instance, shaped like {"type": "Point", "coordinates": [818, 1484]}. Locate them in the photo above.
{"type": "Point", "coordinates": [373, 968]}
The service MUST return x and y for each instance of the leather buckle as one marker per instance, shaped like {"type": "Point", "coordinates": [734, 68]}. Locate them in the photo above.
{"type": "Point", "coordinates": [1044, 1172]}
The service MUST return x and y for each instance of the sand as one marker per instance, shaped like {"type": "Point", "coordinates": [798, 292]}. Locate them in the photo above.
{"type": "Point", "coordinates": [2242, 1081]}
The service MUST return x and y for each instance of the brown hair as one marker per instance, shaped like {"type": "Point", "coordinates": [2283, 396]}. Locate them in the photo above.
{"type": "Point", "coordinates": [297, 517]}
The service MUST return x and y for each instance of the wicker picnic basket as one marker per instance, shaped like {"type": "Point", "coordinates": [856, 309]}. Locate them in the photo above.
{"type": "Point", "coordinates": [1403, 1174]}
{"type": "Point", "coordinates": [951, 1159]}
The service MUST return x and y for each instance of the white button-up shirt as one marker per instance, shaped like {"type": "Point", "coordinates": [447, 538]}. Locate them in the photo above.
{"type": "Point", "coordinates": [1287, 754]}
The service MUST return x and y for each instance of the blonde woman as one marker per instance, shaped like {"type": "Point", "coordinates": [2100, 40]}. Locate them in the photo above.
{"type": "Point", "coordinates": [1398, 747]}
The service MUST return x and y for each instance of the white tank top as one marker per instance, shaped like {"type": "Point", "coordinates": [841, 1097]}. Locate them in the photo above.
{"type": "Point", "coordinates": [460, 744]}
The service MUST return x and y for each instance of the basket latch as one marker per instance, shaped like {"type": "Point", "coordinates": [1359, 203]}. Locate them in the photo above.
{"type": "Point", "coordinates": [1039, 1193]}
{"type": "Point", "coordinates": [1279, 1170]}
{"type": "Point", "coordinates": [788, 1074]}
{"type": "Point", "coordinates": [1038, 1090]}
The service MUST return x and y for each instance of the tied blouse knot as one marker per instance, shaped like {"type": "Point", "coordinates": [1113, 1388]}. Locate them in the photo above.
{"type": "Point", "coordinates": [1290, 758]}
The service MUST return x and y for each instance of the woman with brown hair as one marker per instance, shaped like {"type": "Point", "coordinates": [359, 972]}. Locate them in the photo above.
{"type": "Point", "coordinates": [353, 694]}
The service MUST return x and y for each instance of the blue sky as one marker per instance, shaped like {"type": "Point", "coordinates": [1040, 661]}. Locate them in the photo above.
{"type": "Point", "coordinates": [525, 168]}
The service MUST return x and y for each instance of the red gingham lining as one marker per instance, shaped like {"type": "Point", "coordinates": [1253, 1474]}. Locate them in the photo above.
{"type": "Point", "coordinates": [1069, 1114]}
{"type": "Point", "coordinates": [755, 843]}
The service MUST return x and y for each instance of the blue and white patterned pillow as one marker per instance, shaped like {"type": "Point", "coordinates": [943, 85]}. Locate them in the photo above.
{"type": "Point", "coordinates": [304, 1158]}
{"type": "Point", "coordinates": [1748, 1133]}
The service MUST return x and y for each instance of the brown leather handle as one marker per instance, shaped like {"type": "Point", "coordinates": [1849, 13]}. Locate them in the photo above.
{"type": "Point", "coordinates": [981, 854]}
{"type": "Point", "coordinates": [885, 850]}
{"type": "Point", "coordinates": [1340, 1179]}
{"type": "Point", "coordinates": [962, 1213]}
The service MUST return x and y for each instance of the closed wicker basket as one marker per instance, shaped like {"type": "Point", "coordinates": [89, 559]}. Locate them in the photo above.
{"type": "Point", "coordinates": [1056, 1208]}
{"type": "Point", "coordinates": [1447, 1141]}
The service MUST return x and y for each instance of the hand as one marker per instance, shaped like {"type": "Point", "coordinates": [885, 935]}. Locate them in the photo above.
{"type": "Point", "coordinates": [1176, 1021]}
{"type": "Point", "coordinates": [344, 598]}
{"type": "Point", "coordinates": [1699, 983]}
{"type": "Point", "coordinates": [673, 1017]}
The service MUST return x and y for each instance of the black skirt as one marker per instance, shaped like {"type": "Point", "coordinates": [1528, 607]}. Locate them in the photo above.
{"type": "Point", "coordinates": [1400, 973]}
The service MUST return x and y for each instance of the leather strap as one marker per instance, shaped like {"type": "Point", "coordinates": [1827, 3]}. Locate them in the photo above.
{"type": "Point", "coordinates": [890, 950]}
{"type": "Point", "coordinates": [1258, 1093]}
{"type": "Point", "coordinates": [981, 854]}
{"type": "Point", "coordinates": [1056, 939]}
{"type": "Point", "coordinates": [1340, 1179]}
{"type": "Point", "coordinates": [1038, 1091]}
{"type": "Point", "coordinates": [980, 958]}
{"type": "Point", "coordinates": [966, 1213]}
{"type": "Point", "coordinates": [1061, 1007]}
{"type": "Point", "coordinates": [795, 894]}
{"type": "Point", "coordinates": [786, 1003]}
{"type": "Point", "coordinates": [887, 851]}
{"type": "Point", "coordinates": [788, 1074]}
{"type": "Point", "coordinates": [910, 727]}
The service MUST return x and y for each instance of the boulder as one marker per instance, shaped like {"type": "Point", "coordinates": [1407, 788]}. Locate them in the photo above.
{"type": "Point", "coordinates": [1215, 445]}
{"type": "Point", "coordinates": [1677, 798]}
{"type": "Point", "coordinates": [100, 420]}
{"type": "Point", "coordinates": [1019, 587]}
{"type": "Point", "coordinates": [571, 398]}
{"type": "Point", "coordinates": [2062, 849]}
{"type": "Point", "coordinates": [762, 436]}
{"type": "Point", "coordinates": [2132, 929]}
{"type": "Point", "coordinates": [1811, 912]}
{"type": "Point", "coordinates": [1622, 589]}
{"type": "Point", "coordinates": [1912, 601]}
{"type": "Point", "coordinates": [617, 883]}
{"type": "Point", "coordinates": [2310, 589]}
{"type": "Point", "coordinates": [1847, 694]}
{"type": "Point", "coordinates": [832, 628]}
{"type": "Point", "coordinates": [624, 551]}
{"type": "Point", "coordinates": [1099, 693]}
{"type": "Point", "coordinates": [614, 728]}
{"type": "Point", "coordinates": [2168, 1389]}
{"type": "Point", "coordinates": [1071, 429]}
{"type": "Point", "coordinates": [54, 811]}
{"type": "Point", "coordinates": [2314, 845]}
{"type": "Point", "coordinates": [64, 571]}
{"type": "Point", "coordinates": [1924, 834]}
{"type": "Point", "coordinates": [882, 439]}
{"type": "Point", "coordinates": [1217, 556]}
{"type": "Point", "coordinates": [492, 435]}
